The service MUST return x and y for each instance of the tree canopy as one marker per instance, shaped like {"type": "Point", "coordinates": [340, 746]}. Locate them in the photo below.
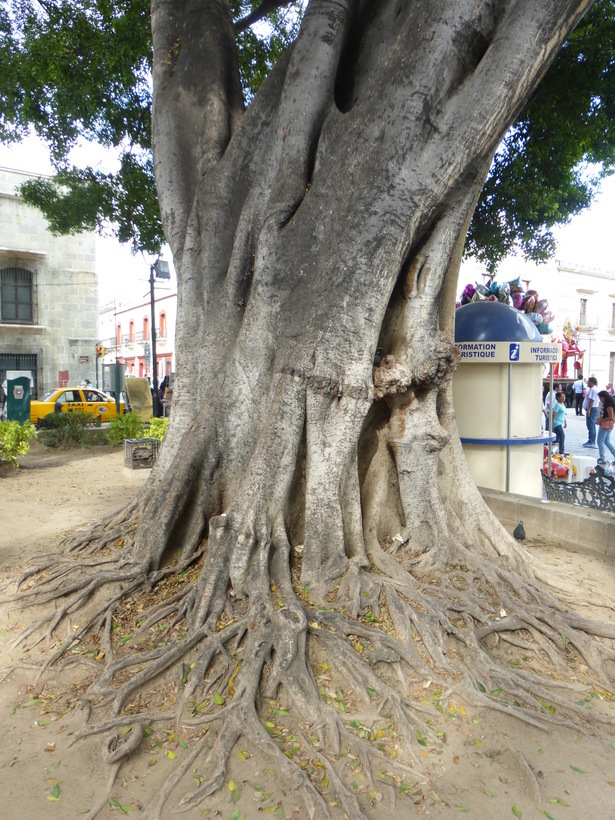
{"type": "Point", "coordinates": [73, 69]}
{"type": "Point", "coordinates": [81, 69]}
{"type": "Point", "coordinates": [77, 69]}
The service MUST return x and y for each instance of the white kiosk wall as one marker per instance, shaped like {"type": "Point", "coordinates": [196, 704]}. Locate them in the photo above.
{"type": "Point", "coordinates": [498, 405]}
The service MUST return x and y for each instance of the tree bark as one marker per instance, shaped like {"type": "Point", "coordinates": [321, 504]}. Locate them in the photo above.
{"type": "Point", "coordinates": [310, 231]}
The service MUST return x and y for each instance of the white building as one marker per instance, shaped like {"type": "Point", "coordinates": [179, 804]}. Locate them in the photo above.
{"type": "Point", "coordinates": [581, 295]}
{"type": "Point", "coordinates": [126, 334]}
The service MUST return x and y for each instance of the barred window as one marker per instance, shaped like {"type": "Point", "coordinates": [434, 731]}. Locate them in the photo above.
{"type": "Point", "coordinates": [16, 295]}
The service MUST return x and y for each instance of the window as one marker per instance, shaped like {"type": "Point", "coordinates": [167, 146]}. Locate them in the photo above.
{"type": "Point", "coordinates": [145, 329]}
{"type": "Point", "coordinates": [16, 295]}
{"type": "Point", "coordinates": [162, 332]}
{"type": "Point", "coordinates": [613, 316]}
{"type": "Point", "coordinates": [131, 331]}
{"type": "Point", "coordinates": [70, 396]}
{"type": "Point", "coordinates": [612, 367]}
{"type": "Point", "coordinates": [19, 361]}
{"type": "Point", "coordinates": [583, 312]}
{"type": "Point", "coordinates": [118, 335]}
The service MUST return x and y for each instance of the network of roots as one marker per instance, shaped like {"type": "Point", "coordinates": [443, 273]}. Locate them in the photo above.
{"type": "Point", "coordinates": [344, 697]}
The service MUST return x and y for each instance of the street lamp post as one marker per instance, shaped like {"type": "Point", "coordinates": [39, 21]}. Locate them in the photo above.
{"type": "Point", "coordinates": [160, 270]}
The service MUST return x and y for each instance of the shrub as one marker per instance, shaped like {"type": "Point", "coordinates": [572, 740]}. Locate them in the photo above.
{"type": "Point", "coordinates": [157, 428]}
{"type": "Point", "coordinates": [128, 425]}
{"type": "Point", "coordinates": [15, 440]}
{"type": "Point", "coordinates": [61, 429]}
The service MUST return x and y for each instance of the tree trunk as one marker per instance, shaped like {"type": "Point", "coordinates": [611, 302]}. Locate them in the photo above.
{"type": "Point", "coordinates": [309, 233]}
{"type": "Point", "coordinates": [312, 462]}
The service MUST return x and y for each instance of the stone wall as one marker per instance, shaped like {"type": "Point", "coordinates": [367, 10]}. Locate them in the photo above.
{"type": "Point", "coordinates": [63, 332]}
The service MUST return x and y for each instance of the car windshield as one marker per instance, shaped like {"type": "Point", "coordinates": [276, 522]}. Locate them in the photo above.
{"type": "Point", "coordinates": [48, 395]}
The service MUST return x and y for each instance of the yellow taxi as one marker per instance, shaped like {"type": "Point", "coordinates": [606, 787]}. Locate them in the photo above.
{"type": "Point", "coordinates": [83, 399]}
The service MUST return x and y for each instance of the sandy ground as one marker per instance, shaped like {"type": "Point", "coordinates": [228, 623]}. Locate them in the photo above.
{"type": "Point", "coordinates": [489, 766]}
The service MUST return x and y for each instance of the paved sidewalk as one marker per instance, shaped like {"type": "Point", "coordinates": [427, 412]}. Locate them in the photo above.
{"type": "Point", "coordinates": [576, 436]}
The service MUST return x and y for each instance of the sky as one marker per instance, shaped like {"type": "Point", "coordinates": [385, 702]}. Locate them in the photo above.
{"type": "Point", "coordinates": [588, 240]}
{"type": "Point", "coordinates": [123, 277]}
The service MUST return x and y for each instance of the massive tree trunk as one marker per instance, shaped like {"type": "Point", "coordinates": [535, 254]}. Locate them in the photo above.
{"type": "Point", "coordinates": [312, 469]}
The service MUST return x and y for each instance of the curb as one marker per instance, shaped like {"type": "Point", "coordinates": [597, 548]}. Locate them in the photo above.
{"type": "Point", "coordinates": [569, 526]}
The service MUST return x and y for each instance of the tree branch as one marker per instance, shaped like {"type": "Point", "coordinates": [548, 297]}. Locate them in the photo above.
{"type": "Point", "coordinates": [197, 100]}
{"type": "Point", "coordinates": [265, 8]}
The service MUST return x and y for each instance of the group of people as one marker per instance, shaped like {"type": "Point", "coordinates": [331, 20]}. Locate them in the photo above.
{"type": "Point", "coordinates": [599, 409]}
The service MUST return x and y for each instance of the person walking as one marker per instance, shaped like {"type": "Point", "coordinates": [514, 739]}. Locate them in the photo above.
{"type": "Point", "coordinates": [559, 420]}
{"type": "Point", "coordinates": [578, 388]}
{"type": "Point", "coordinates": [591, 405]}
{"type": "Point", "coordinates": [605, 426]}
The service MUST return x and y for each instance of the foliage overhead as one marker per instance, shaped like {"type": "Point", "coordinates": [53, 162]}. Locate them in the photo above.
{"type": "Point", "coordinates": [81, 69]}
{"type": "Point", "coordinates": [75, 70]}
{"type": "Point", "coordinates": [551, 162]}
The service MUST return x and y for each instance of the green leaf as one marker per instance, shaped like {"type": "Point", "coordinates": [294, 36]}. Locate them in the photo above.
{"type": "Point", "coordinates": [516, 811]}
{"type": "Point", "coordinates": [236, 795]}
{"type": "Point", "coordinates": [576, 769]}
{"type": "Point", "coordinates": [481, 686]}
{"type": "Point", "coordinates": [546, 814]}
{"type": "Point", "coordinates": [55, 792]}
{"type": "Point", "coordinates": [219, 699]}
{"type": "Point", "coordinates": [371, 692]}
{"type": "Point", "coordinates": [559, 801]}
{"type": "Point", "coordinates": [462, 808]}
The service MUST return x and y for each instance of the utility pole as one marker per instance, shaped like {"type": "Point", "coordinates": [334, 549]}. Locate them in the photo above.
{"type": "Point", "coordinates": [160, 269]}
{"type": "Point", "coordinates": [153, 335]}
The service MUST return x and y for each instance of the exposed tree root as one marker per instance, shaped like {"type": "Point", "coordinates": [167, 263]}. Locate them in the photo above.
{"type": "Point", "coordinates": [480, 634]}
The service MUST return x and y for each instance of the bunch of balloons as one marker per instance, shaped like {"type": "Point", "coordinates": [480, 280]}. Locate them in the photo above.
{"type": "Point", "coordinates": [511, 293]}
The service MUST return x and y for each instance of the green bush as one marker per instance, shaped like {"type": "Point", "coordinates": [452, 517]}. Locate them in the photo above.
{"type": "Point", "coordinates": [15, 440]}
{"type": "Point", "coordinates": [61, 429]}
{"type": "Point", "coordinates": [157, 428]}
{"type": "Point", "coordinates": [126, 426]}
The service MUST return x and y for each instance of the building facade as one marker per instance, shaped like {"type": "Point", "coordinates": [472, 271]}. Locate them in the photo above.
{"type": "Point", "coordinates": [126, 335]}
{"type": "Point", "coordinates": [48, 295]}
{"type": "Point", "coordinates": [583, 296]}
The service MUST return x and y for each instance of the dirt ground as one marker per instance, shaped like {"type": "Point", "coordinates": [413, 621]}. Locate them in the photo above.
{"type": "Point", "coordinates": [488, 766]}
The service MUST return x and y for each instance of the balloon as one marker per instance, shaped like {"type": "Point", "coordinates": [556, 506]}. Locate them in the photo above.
{"type": "Point", "coordinates": [517, 299]}
{"type": "Point", "coordinates": [528, 303]}
{"type": "Point", "coordinates": [544, 329]}
{"type": "Point", "coordinates": [482, 290]}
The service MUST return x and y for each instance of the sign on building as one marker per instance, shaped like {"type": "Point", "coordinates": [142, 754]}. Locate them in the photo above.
{"type": "Point", "coordinates": [510, 352]}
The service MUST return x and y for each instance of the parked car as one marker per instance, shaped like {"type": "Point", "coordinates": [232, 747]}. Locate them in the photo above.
{"type": "Point", "coordinates": [83, 399]}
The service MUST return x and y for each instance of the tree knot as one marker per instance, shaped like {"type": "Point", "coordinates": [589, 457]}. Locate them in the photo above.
{"type": "Point", "coordinates": [391, 377]}
{"type": "Point", "coordinates": [438, 367]}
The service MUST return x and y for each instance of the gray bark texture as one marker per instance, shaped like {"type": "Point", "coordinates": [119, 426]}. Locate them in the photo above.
{"type": "Point", "coordinates": [322, 504]}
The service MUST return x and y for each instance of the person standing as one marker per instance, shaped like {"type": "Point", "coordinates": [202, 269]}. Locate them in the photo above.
{"type": "Point", "coordinates": [591, 405]}
{"type": "Point", "coordinates": [605, 426]}
{"type": "Point", "coordinates": [549, 401]}
{"type": "Point", "coordinates": [2, 401]}
{"type": "Point", "coordinates": [559, 420]}
{"type": "Point", "coordinates": [578, 388]}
